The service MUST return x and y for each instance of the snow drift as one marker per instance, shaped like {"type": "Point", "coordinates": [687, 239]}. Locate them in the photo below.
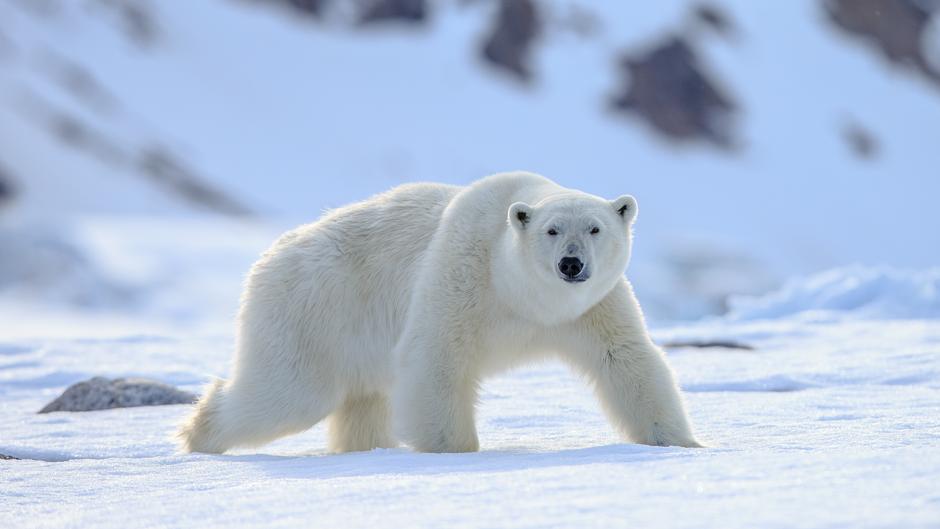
{"type": "Point", "coordinates": [867, 292]}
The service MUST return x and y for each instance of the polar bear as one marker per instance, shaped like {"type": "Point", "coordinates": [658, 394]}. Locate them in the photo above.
{"type": "Point", "coordinates": [408, 300]}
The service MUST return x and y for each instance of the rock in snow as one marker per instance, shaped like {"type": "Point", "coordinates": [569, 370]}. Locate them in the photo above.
{"type": "Point", "coordinates": [100, 393]}
{"type": "Point", "coordinates": [516, 27]}
{"type": "Point", "coordinates": [669, 87]}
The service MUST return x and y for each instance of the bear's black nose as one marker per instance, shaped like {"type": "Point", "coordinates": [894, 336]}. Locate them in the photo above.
{"type": "Point", "coordinates": [570, 266]}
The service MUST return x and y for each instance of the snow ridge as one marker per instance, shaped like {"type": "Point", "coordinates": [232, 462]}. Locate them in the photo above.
{"type": "Point", "coordinates": [865, 292]}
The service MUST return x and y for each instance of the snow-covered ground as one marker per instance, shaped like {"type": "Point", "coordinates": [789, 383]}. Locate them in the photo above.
{"type": "Point", "coordinates": [832, 420]}
{"type": "Point", "coordinates": [833, 424]}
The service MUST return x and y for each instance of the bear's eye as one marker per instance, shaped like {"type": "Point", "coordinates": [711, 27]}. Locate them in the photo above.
{"type": "Point", "coordinates": [595, 230]}
{"type": "Point", "coordinates": [553, 232]}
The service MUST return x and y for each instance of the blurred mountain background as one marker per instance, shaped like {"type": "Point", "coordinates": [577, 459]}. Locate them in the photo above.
{"type": "Point", "coordinates": [150, 150]}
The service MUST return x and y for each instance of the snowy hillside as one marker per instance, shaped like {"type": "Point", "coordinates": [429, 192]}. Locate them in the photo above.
{"type": "Point", "coordinates": [119, 107]}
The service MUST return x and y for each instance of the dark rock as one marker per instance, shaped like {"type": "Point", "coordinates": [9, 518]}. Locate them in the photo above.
{"type": "Point", "coordinates": [307, 8]}
{"type": "Point", "coordinates": [667, 86]}
{"type": "Point", "coordinates": [156, 163]}
{"type": "Point", "coordinates": [862, 142]}
{"type": "Point", "coordinates": [100, 393]}
{"type": "Point", "coordinates": [81, 83]}
{"type": "Point", "coordinates": [408, 11]}
{"type": "Point", "coordinates": [6, 187]}
{"type": "Point", "coordinates": [709, 344]}
{"type": "Point", "coordinates": [896, 27]}
{"type": "Point", "coordinates": [713, 17]}
{"type": "Point", "coordinates": [170, 172]}
{"type": "Point", "coordinates": [311, 7]}
{"type": "Point", "coordinates": [79, 135]}
{"type": "Point", "coordinates": [4, 456]}
{"type": "Point", "coordinates": [137, 20]}
{"type": "Point", "coordinates": [509, 45]}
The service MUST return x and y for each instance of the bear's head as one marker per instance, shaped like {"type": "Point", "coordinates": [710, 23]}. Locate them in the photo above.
{"type": "Point", "coordinates": [575, 247]}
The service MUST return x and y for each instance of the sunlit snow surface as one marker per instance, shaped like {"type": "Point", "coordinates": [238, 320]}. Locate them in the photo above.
{"type": "Point", "coordinates": [831, 421]}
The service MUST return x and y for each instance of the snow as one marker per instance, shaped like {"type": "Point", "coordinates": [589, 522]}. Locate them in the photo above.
{"type": "Point", "coordinates": [878, 292]}
{"type": "Point", "coordinates": [827, 424]}
{"type": "Point", "coordinates": [157, 274]}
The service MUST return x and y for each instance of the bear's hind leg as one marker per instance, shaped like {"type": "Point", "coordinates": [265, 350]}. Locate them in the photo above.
{"type": "Point", "coordinates": [237, 414]}
{"type": "Point", "coordinates": [361, 423]}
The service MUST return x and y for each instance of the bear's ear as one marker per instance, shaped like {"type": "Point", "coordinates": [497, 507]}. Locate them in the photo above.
{"type": "Point", "coordinates": [625, 206]}
{"type": "Point", "coordinates": [520, 214]}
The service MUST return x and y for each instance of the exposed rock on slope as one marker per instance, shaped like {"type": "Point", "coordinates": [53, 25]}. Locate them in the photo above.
{"type": "Point", "coordinates": [136, 19]}
{"type": "Point", "coordinates": [509, 43]}
{"type": "Point", "coordinates": [306, 8]}
{"type": "Point", "coordinates": [667, 86]}
{"type": "Point", "coordinates": [363, 11]}
{"type": "Point", "coordinates": [716, 19]}
{"type": "Point", "coordinates": [860, 140]}
{"type": "Point", "coordinates": [172, 174]}
{"type": "Point", "coordinates": [896, 27]}
{"type": "Point", "coordinates": [413, 11]}
{"type": "Point", "coordinates": [6, 188]}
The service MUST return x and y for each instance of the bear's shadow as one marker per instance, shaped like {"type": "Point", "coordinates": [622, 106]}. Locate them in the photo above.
{"type": "Point", "coordinates": [401, 461]}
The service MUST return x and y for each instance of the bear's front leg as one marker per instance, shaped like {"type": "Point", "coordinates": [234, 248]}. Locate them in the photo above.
{"type": "Point", "coordinates": [437, 394]}
{"type": "Point", "coordinates": [636, 387]}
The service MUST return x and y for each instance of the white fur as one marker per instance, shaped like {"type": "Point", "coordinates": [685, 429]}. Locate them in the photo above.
{"type": "Point", "coordinates": [437, 286]}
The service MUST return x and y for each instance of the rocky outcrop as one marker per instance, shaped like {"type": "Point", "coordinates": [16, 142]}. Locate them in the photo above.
{"type": "Point", "coordinates": [715, 19]}
{"type": "Point", "coordinates": [304, 8]}
{"type": "Point", "coordinates": [171, 173]}
{"type": "Point", "coordinates": [365, 12]}
{"type": "Point", "coordinates": [895, 27]}
{"type": "Point", "coordinates": [6, 187]}
{"type": "Point", "coordinates": [861, 141]}
{"type": "Point", "coordinates": [514, 30]}
{"type": "Point", "coordinates": [137, 20]}
{"type": "Point", "coordinates": [408, 11]}
{"type": "Point", "coordinates": [100, 393]}
{"type": "Point", "coordinates": [311, 7]}
{"type": "Point", "coordinates": [155, 163]}
{"type": "Point", "coordinates": [668, 88]}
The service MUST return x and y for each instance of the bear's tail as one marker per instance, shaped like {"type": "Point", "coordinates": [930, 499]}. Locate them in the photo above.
{"type": "Point", "coordinates": [204, 430]}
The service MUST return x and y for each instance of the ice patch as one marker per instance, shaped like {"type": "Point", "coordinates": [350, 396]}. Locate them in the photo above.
{"type": "Point", "coordinates": [866, 292]}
